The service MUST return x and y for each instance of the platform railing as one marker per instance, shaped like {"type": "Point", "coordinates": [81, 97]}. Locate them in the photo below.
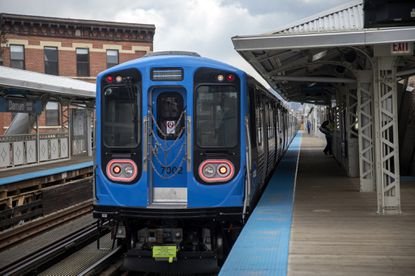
{"type": "Point", "coordinates": [19, 151]}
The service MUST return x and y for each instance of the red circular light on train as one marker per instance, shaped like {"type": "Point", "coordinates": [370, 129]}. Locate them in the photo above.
{"type": "Point", "coordinates": [223, 170]}
{"type": "Point", "coordinates": [109, 79]}
{"type": "Point", "coordinates": [230, 77]}
{"type": "Point", "coordinates": [116, 169]}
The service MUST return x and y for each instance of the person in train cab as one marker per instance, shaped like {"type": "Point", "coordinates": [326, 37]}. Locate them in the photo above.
{"type": "Point", "coordinates": [327, 129]}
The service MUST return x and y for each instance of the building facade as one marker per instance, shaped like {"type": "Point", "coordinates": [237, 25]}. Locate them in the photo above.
{"type": "Point", "coordinates": [75, 48]}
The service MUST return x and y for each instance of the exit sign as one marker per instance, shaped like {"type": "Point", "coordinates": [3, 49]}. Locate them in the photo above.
{"type": "Point", "coordinates": [402, 48]}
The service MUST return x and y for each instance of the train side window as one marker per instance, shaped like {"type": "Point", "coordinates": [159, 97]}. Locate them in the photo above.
{"type": "Point", "coordinates": [251, 114]}
{"type": "Point", "coordinates": [266, 107]}
{"type": "Point", "coordinates": [259, 119]}
{"type": "Point", "coordinates": [271, 121]}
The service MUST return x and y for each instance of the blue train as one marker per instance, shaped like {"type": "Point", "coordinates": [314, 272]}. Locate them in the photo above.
{"type": "Point", "coordinates": [184, 146]}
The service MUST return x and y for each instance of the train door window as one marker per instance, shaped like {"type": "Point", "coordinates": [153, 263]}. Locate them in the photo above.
{"type": "Point", "coordinates": [217, 116]}
{"type": "Point", "coordinates": [170, 115]}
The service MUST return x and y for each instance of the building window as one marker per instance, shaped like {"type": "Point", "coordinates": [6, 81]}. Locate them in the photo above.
{"type": "Point", "coordinates": [112, 58]}
{"type": "Point", "coordinates": [52, 114]}
{"type": "Point", "coordinates": [17, 56]}
{"type": "Point", "coordinates": [82, 62]}
{"type": "Point", "coordinates": [51, 60]}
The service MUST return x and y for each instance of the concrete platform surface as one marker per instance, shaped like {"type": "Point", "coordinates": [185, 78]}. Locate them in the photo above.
{"type": "Point", "coordinates": [336, 230]}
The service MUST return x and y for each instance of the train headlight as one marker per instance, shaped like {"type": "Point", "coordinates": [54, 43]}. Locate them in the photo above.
{"type": "Point", "coordinates": [128, 170]}
{"type": "Point", "coordinates": [216, 170]}
{"type": "Point", "coordinates": [208, 171]}
{"type": "Point", "coordinates": [118, 78]}
{"type": "Point", "coordinates": [122, 170]}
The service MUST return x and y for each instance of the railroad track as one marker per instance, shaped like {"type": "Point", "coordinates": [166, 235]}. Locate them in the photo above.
{"type": "Point", "coordinates": [43, 257]}
{"type": "Point", "coordinates": [108, 264]}
{"type": "Point", "coordinates": [18, 234]}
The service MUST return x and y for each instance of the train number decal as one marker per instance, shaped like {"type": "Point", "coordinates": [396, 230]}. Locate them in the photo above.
{"type": "Point", "coordinates": [172, 170]}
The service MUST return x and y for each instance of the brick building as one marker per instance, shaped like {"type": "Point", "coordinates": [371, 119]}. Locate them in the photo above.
{"type": "Point", "coordinates": [75, 48]}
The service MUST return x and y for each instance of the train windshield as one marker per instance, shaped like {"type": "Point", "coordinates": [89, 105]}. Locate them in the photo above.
{"type": "Point", "coordinates": [216, 116]}
{"type": "Point", "coordinates": [120, 116]}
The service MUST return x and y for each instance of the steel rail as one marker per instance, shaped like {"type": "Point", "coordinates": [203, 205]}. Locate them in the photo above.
{"type": "Point", "coordinates": [47, 254]}
{"type": "Point", "coordinates": [17, 234]}
{"type": "Point", "coordinates": [103, 263]}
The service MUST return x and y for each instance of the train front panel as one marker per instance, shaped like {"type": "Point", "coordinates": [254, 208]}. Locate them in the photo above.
{"type": "Point", "coordinates": [170, 134]}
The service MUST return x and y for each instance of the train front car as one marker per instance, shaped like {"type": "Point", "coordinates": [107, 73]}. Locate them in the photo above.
{"type": "Point", "coordinates": [170, 160]}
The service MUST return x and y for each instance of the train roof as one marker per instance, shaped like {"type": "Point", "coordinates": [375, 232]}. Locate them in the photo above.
{"type": "Point", "coordinates": [172, 59]}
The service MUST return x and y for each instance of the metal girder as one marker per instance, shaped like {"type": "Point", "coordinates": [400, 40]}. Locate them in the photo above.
{"type": "Point", "coordinates": [366, 139]}
{"type": "Point", "coordinates": [387, 142]}
{"type": "Point", "coordinates": [313, 79]}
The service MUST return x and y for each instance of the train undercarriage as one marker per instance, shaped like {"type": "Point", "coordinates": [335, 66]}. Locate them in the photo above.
{"type": "Point", "coordinates": [184, 242]}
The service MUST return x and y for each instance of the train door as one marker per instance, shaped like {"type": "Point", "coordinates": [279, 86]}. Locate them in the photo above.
{"type": "Point", "coordinates": [167, 144]}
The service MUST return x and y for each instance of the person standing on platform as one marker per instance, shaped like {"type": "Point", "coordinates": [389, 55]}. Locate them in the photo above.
{"type": "Point", "coordinates": [326, 128]}
{"type": "Point", "coordinates": [308, 127]}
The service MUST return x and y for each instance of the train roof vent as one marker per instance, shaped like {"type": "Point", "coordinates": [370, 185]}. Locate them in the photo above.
{"type": "Point", "coordinates": [168, 53]}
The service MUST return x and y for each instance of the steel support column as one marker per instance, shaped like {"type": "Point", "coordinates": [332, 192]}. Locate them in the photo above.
{"type": "Point", "coordinates": [89, 124]}
{"type": "Point", "coordinates": [352, 131]}
{"type": "Point", "coordinates": [336, 142]}
{"type": "Point", "coordinates": [386, 132]}
{"type": "Point", "coordinates": [366, 138]}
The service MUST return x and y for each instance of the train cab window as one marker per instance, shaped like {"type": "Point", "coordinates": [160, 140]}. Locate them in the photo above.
{"type": "Point", "coordinates": [120, 117]}
{"type": "Point", "coordinates": [170, 116]}
{"type": "Point", "coordinates": [216, 116]}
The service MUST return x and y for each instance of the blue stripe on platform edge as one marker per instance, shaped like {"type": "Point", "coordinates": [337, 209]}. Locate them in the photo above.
{"type": "Point", "coordinates": [263, 245]}
{"type": "Point", "coordinates": [31, 175]}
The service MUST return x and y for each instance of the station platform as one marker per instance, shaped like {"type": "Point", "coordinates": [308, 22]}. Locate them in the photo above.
{"type": "Point", "coordinates": [317, 222]}
{"type": "Point", "coordinates": [20, 174]}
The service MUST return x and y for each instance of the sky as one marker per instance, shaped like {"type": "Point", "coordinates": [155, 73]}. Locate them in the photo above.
{"type": "Point", "coordinates": [202, 26]}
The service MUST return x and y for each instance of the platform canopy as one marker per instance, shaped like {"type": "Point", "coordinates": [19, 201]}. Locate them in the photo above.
{"type": "Point", "coordinates": [307, 60]}
{"type": "Point", "coordinates": [16, 82]}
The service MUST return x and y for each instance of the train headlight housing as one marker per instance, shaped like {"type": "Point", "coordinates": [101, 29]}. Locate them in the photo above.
{"type": "Point", "coordinates": [216, 170]}
{"type": "Point", "coordinates": [121, 170]}
{"type": "Point", "coordinates": [209, 171]}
